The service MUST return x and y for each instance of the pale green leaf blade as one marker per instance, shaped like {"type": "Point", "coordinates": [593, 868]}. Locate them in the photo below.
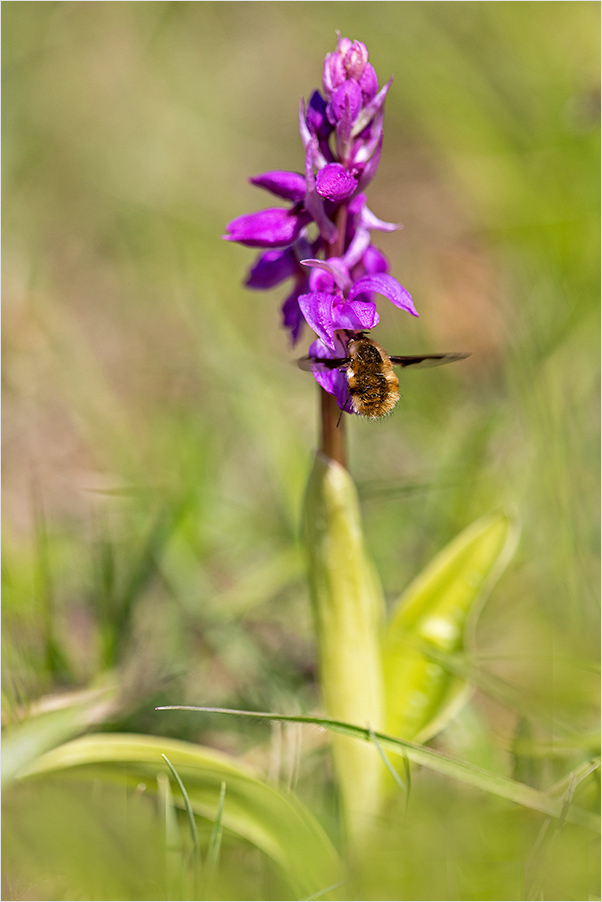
{"type": "Point", "coordinates": [61, 719]}
{"type": "Point", "coordinates": [272, 819]}
{"type": "Point", "coordinates": [435, 612]}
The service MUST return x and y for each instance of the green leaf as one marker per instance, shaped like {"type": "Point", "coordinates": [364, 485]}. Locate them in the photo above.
{"type": "Point", "coordinates": [446, 765]}
{"type": "Point", "coordinates": [348, 609]}
{"type": "Point", "coordinates": [272, 819]}
{"type": "Point", "coordinates": [23, 742]}
{"type": "Point", "coordinates": [434, 612]}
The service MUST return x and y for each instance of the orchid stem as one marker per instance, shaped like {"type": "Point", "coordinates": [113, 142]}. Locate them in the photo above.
{"type": "Point", "coordinates": [337, 248]}
{"type": "Point", "coordinates": [333, 432]}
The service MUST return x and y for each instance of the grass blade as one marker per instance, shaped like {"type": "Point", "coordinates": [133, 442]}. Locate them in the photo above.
{"type": "Point", "coordinates": [173, 845]}
{"type": "Point", "coordinates": [215, 845]}
{"type": "Point", "coordinates": [441, 763]}
{"type": "Point", "coordinates": [194, 836]}
{"type": "Point", "coordinates": [405, 787]}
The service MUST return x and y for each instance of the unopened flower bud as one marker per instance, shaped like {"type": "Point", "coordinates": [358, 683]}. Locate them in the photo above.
{"type": "Point", "coordinates": [368, 83]}
{"type": "Point", "coordinates": [355, 60]}
{"type": "Point", "coordinates": [343, 45]}
{"type": "Point", "coordinates": [333, 73]}
{"type": "Point", "coordinates": [346, 102]}
{"type": "Point", "coordinates": [316, 118]}
{"type": "Point", "coordinates": [335, 183]}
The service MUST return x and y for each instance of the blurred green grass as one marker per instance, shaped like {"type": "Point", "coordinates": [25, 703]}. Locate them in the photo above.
{"type": "Point", "coordinates": [157, 436]}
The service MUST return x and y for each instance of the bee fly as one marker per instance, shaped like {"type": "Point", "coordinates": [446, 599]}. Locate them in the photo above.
{"type": "Point", "coordinates": [373, 387]}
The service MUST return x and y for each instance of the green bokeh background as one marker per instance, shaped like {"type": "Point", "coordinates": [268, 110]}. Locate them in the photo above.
{"type": "Point", "coordinates": [157, 434]}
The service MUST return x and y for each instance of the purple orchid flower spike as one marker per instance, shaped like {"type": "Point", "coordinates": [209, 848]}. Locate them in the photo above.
{"type": "Point", "coordinates": [322, 238]}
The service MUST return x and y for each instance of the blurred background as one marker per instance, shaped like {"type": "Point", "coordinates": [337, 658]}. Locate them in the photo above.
{"type": "Point", "coordinates": [157, 434]}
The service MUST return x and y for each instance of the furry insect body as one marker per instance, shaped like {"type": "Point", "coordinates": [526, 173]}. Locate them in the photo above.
{"type": "Point", "coordinates": [373, 385]}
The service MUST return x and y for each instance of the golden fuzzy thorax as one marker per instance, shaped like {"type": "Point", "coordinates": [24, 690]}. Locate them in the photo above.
{"type": "Point", "coordinates": [373, 385]}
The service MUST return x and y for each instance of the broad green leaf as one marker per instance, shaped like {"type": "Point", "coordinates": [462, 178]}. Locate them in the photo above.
{"type": "Point", "coordinates": [446, 765]}
{"type": "Point", "coordinates": [23, 742]}
{"type": "Point", "coordinates": [272, 819]}
{"type": "Point", "coordinates": [348, 609]}
{"type": "Point", "coordinates": [433, 613]}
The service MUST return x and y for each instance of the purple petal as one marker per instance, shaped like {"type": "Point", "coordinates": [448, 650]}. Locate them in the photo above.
{"type": "Point", "coordinates": [356, 60]}
{"type": "Point", "coordinates": [333, 73]}
{"type": "Point", "coordinates": [371, 166]}
{"type": "Point", "coordinates": [321, 280]}
{"type": "Point", "coordinates": [275, 227]}
{"type": "Point", "coordinates": [314, 204]}
{"type": "Point", "coordinates": [371, 109]}
{"type": "Point", "coordinates": [345, 104]}
{"type": "Point", "coordinates": [316, 307]}
{"type": "Point", "coordinates": [357, 248]}
{"type": "Point", "coordinates": [319, 349]}
{"type": "Point", "coordinates": [369, 141]}
{"type": "Point", "coordinates": [292, 318]}
{"type": "Point", "coordinates": [320, 151]}
{"type": "Point", "coordinates": [368, 83]}
{"type": "Point", "coordinates": [271, 268]}
{"type": "Point", "coordinates": [317, 121]}
{"type": "Point", "coordinates": [357, 204]}
{"type": "Point", "coordinates": [384, 284]}
{"type": "Point", "coordinates": [335, 183]}
{"type": "Point", "coordinates": [374, 261]}
{"type": "Point", "coordinates": [355, 315]}
{"type": "Point", "coordinates": [332, 381]}
{"type": "Point", "coordinates": [370, 221]}
{"type": "Point", "coordinates": [306, 135]}
{"type": "Point", "coordinates": [335, 267]}
{"type": "Point", "coordinates": [343, 44]}
{"type": "Point", "coordinates": [289, 185]}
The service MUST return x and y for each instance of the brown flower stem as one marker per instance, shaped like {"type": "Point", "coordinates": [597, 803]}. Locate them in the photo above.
{"type": "Point", "coordinates": [333, 431]}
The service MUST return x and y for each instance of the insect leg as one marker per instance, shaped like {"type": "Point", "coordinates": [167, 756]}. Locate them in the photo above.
{"type": "Point", "coordinates": [343, 407]}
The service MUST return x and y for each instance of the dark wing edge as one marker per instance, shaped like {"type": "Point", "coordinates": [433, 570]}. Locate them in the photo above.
{"type": "Point", "coordinates": [311, 364]}
{"type": "Point", "coordinates": [425, 360]}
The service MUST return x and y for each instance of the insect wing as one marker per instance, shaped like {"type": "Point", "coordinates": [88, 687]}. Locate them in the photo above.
{"type": "Point", "coordinates": [425, 360]}
{"type": "Point", "coordinates": [322, 364]}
